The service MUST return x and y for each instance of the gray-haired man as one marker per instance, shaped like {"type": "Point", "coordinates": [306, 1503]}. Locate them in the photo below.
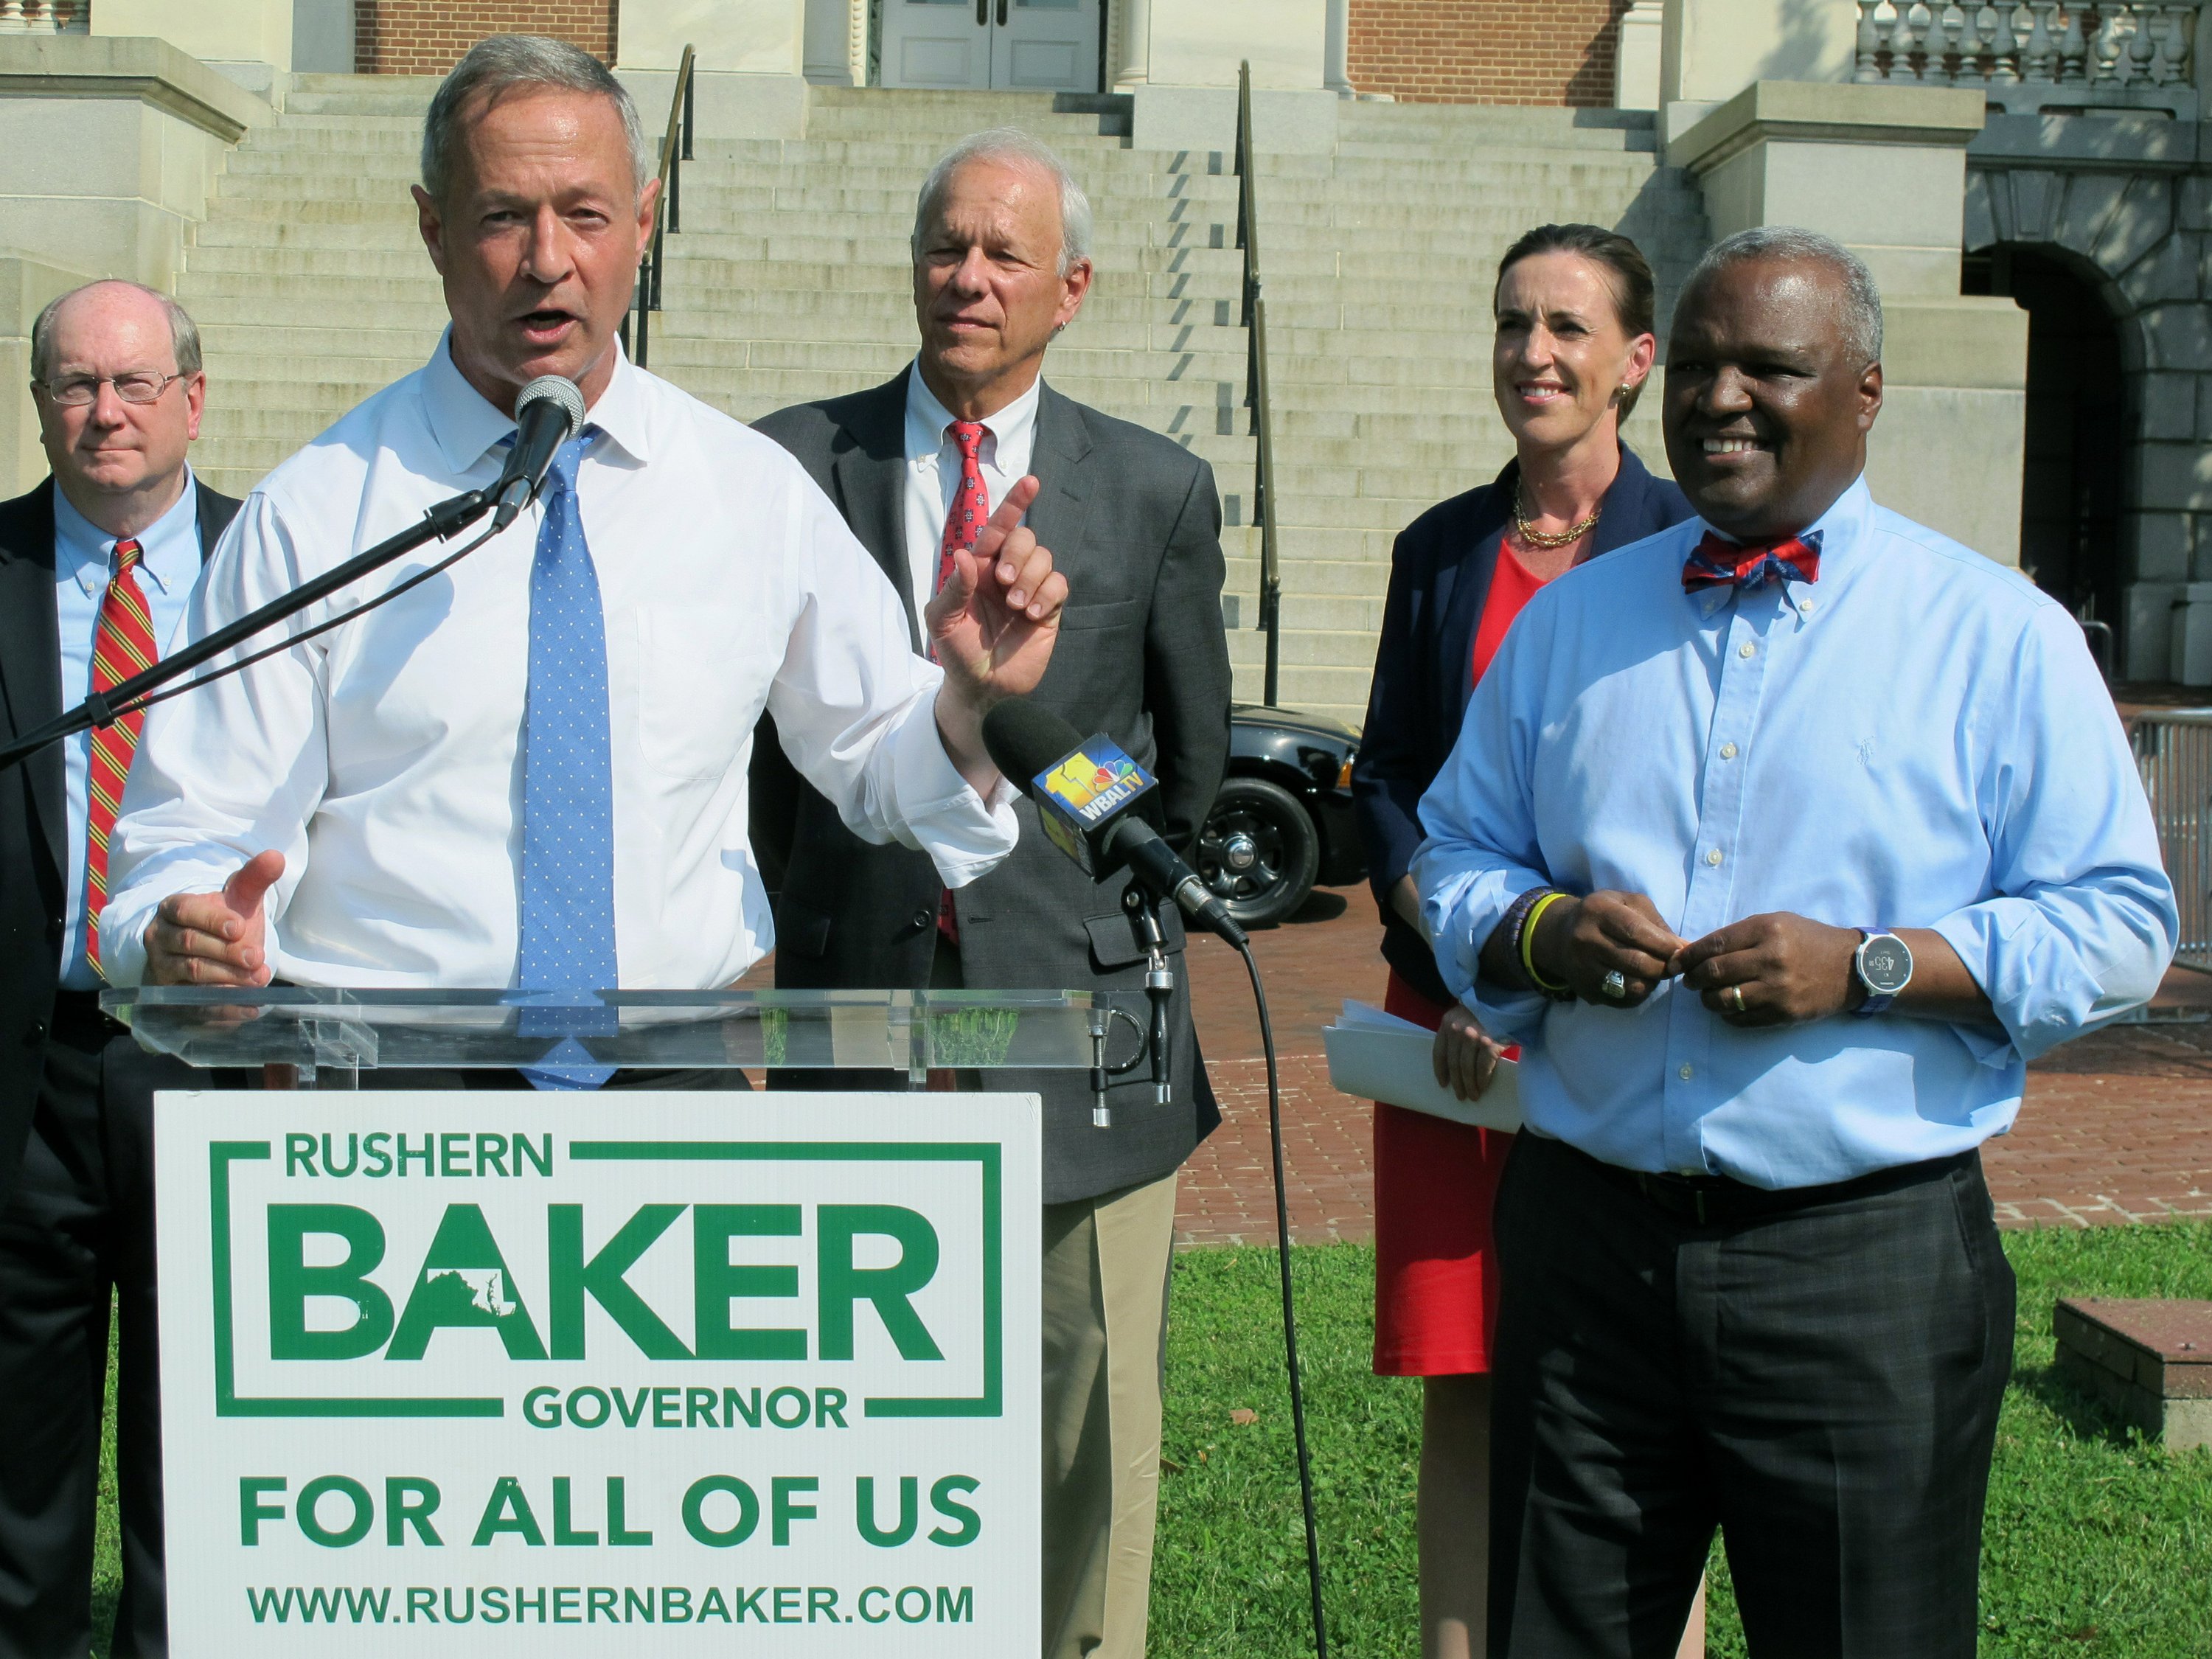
{"type": "Point", "coordinates": [96, 564]}
{"type": "Point", "coordinates": [577, 696]}
{"type": "Point", "coordinates": [1000, 265]}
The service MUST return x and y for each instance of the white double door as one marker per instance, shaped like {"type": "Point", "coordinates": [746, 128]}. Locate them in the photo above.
{"type": "Point", "coordinates": [1005, 45]}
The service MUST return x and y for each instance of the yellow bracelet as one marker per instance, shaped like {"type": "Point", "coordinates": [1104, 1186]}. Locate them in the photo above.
{"type": "Point", "coordinates": [1529, 944]}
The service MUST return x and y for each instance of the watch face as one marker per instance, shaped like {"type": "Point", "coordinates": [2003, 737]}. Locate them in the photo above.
{"type": "Point", "coordinates": [1885, 965]}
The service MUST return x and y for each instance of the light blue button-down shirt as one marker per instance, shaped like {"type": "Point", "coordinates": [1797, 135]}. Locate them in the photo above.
{"type": "Point", "coordinates": [84, 555]}
{"type": "Point", "coordinates": [1917, 739]}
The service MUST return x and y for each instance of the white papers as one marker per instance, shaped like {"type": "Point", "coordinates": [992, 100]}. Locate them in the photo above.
{"type": "Point", "coordinates": [1378, 1056]}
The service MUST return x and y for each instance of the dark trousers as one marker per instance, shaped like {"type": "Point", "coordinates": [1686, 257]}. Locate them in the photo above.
{"type": "Point", "coordinates": [77, 1232]}
{"type": "Point", "coordinates": [1820, 1383]}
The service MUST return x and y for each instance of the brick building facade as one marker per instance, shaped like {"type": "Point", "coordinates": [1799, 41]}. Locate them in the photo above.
{"type": "Point", "coordinates": [428, 37]}
{"type": "Point", "coordinates": [1486, 52]}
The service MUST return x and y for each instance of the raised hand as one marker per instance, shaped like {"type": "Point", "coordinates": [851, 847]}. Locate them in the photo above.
{"type": "Point", "coordinates": [993, 624]}
{"type": "Point", "coordinates": [215, 939]}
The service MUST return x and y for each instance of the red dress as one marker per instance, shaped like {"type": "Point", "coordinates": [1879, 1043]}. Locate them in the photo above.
{"type": "Point", "coordinates": [1436, 1267]}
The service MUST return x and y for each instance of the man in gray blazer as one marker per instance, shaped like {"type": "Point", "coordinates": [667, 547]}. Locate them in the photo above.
{"type": "Point", "coordinates": [1000, 266]}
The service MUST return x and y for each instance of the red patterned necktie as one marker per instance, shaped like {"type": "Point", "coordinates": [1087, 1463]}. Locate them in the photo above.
{"type": "Point", "coordinates": [1717, 561]}
{"type": "Point", "coordinates": [963, 523]}
{"type": "Point", "coordinates": [971, 502]}
{"type": "Point", "coordinates": [122, 646]}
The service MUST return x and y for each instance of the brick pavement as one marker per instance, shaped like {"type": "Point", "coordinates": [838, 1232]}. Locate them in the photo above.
{"type": "Point", "coordinates": [2116, 1127]}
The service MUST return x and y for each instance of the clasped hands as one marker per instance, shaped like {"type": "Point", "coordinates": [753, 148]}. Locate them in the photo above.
{"type": "Point", "coordinates": [1771, 969]}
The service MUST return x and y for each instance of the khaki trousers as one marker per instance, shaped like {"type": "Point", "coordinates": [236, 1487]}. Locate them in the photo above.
{"type": "Point", "coordinates": [1105, 1327]}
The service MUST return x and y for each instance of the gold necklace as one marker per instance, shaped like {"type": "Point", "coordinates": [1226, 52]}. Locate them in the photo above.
{"type": "Point", "coordinates": [1549, 539]}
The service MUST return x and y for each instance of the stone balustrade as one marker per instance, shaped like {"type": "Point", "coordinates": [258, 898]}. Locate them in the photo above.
{"type": "Point", "coordinates": [2037, 56]}
{"type": "Point", "coordinates": [45, 17]}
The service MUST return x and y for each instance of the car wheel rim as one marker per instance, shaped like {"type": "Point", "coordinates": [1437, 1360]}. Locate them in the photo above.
{"type": "Point", "coordinates": [1241, 856]}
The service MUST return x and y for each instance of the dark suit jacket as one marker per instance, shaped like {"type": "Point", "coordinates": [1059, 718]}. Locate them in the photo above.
{"type": "Point", "coordinates": [33, 814]}
{"type": "Point", "coordinates": [1132, 521]}
{"type": "Point", "coordinates": [1440, 572]}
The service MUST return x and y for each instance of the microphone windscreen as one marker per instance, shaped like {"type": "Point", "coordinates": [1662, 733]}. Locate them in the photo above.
{"type": "Point", "coordinates": [553, 388]}
{"type": "Point", "coordinates": [1023, 740]}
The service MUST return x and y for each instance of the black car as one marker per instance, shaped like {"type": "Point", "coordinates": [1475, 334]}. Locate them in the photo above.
{"type": "Point", "coordinates": [1283, 819]}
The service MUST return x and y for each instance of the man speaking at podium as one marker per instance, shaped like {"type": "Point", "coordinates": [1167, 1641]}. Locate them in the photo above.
{"type": "Point", "coordinates": [531, 770]}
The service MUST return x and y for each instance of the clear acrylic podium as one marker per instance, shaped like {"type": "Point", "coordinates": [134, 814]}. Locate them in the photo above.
{"type": "Point", "coordinates": [331, 1035]}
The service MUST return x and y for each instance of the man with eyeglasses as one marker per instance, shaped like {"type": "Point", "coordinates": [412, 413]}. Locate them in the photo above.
{"type": "Point", "coordinates": [95, 565]}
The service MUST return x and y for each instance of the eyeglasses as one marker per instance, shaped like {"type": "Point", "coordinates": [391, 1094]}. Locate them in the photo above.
{"type": "Point", "coordinates": [143, 387]}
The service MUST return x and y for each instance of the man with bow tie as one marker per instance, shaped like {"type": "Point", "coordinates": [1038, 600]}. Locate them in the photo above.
{"type": "Point", "coordinates": [1782, 850]}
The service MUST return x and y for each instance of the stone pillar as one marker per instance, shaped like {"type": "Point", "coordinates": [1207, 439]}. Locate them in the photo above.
{"type": "Point", "coordinates": [1187, 99]}
{"type": "Point", "coordinates": [1336, 61]}
{"type": "Point", "coordinates": [753, 59]}
{"type": "Point", "coordinates": [109, 149]}
{"type": "Point", "coordinates": [250, 41]}
{"type": "Point", "coordinates": [26, 286]}
{"type": "Point", "coordinates": [322, 37]}
{"type": "Point", "coordinates": [1711, 50]}
{"type": "Point", "coordinates": [1636, 57]}
{"type": "Point", "coordinates": [828, 55]}
{"type": "Point", "coordinates": [1133, 44]}
{"type": "Point", "coordinates": [1882, 170]}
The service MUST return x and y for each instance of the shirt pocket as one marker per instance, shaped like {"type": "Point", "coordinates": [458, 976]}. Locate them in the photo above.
{"type": "Point", "coordinates": [703, 673]}
{"type": "Point", "coordinates": [1110, 613]}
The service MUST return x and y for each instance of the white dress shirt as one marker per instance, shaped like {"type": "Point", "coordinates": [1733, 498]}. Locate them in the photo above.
{"type": "Point", "coordinates": [382, 759]}
{"type": "Point", "coordinates": [933, 469]}
{"type": "Point", "coordinates": [84, 560]}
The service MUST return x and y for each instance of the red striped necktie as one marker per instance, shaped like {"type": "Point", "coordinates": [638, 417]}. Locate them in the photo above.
{"type": "Point", "coordinates": [122, 646]}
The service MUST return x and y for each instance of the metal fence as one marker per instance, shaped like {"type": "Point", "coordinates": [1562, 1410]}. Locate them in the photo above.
{"type": "Point", "coordinates": [2173, 751]}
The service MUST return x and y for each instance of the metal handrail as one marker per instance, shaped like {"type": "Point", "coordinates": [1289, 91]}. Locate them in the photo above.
{"type": "Point", "coordinates": [1255, 388]}
{"type": "Point", "coordinates": [667, 214]}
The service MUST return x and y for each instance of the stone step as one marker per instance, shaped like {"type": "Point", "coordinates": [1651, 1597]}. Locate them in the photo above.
{"type": "Point", "coordinates": [1133, 323]}
{"type": "Point", "coordinates": [360, 94]}
{"type": "Point", "coordinates": [741, 191]}
{"type": "Point", "coordinates": [1201, 275]}
{"type": "Point", "coordinates": [1349, 650]}
{"type": "Point", "coordinates": [1310, 573]}
{"type": "Point", "coordinates": [752, 393]}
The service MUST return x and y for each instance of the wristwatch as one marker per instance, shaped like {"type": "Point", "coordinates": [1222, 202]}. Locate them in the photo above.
{"type": "Point", "coordinates": [1883, 963]}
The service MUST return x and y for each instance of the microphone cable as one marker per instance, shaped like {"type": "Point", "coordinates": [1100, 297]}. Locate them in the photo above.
{"type": "Point", "coordinates": [1289, 1318]}
{"type": "Point", "coordinates": [139, 704]}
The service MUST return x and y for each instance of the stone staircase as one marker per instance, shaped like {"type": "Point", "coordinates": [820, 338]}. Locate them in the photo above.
{"type": "Point", "coordinates": [788, 280]}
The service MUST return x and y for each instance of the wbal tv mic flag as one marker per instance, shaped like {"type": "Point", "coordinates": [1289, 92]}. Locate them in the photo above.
{"type": "Point", "coordinates": [508, 1374]}
{"type": "Point", "coordinates": [1081, 795]}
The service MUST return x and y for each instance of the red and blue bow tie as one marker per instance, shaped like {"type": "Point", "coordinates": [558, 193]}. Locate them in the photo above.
{"type": "Point", "coordinates": [1717, 560]}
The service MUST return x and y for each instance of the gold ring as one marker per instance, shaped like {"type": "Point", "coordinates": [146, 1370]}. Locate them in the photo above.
{"type": "Point", "coordinates": [1738, 990]}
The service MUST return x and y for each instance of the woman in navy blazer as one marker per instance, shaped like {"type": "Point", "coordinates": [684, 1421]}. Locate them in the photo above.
{"type": "Point", "coordinates": [1574, 344]}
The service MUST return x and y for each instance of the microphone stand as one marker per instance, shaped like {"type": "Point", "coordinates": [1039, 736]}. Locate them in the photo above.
{"type": "Point", "coordinates": [1144, 908]}
{"type": "Point", "coordinates": [442, 522]}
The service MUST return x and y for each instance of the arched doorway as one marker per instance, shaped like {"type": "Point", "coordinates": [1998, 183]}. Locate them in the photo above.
{"type": "Point", "coordinates": [2077, 452]}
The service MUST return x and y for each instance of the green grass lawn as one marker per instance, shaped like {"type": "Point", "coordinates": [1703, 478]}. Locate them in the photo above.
{"type": "Point", "coordinates": [2097, 1544]}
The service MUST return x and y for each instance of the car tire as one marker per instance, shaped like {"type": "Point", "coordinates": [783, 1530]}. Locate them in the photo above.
{"type": "Point", "coordinates": [1258, 851]}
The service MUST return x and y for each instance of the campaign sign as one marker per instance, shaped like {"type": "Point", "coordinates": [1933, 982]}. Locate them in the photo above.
{"type": "Point", "coordinates": [581, 1374]}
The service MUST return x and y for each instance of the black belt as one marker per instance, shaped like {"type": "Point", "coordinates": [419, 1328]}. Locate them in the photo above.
{"type": "Point", "coordinates": [1722, 1201]}
{"type": "Point", "coordinates": [79, 1021]}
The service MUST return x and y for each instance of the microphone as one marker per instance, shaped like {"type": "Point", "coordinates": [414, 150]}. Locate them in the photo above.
{"type": "Point", "coordinates": [1087, 792]}
{"type": "Point", "coordinates": [549, 410]}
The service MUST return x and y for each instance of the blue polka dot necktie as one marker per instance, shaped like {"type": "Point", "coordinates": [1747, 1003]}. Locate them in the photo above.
{"type": "Point", "coordinates": [567, 944]}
